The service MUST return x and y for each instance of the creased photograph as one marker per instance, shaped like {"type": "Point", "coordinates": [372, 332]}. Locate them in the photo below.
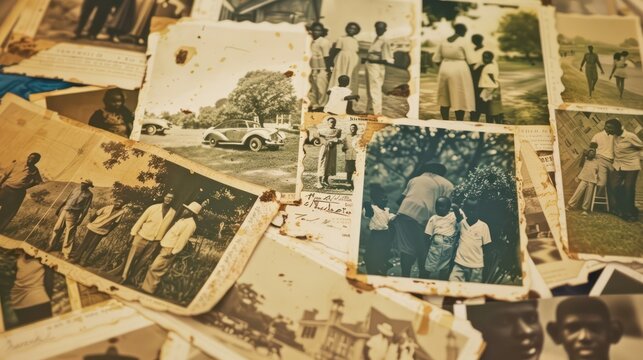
{"type": "Point", "coordinates": [599, 188]}
{"type": "Point", "coordinates": [575, 327]}
{"type": "Point", "coordinates": [440, 211]}
{"type": "Point", "coordinates": [618, 279]}
{"type": "Point", "coordinates": [600, 58]}
{"type": "Point", "coordinates": [275, 312]}
{"type": "Point", "coordinates": [232, 94]}
{"type": "Point", "coordinates": [132, 220]}
{"type": "Point", "coordinates": [484, 60]}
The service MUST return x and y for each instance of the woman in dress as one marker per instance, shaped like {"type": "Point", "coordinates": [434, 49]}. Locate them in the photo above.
{"type": "Point", "coordinates": [592, 63]}
{"type": "Point", "coordinates": [327, 162]}
{"type": "Point", "coordinates": [619, 71]}
{"type": "Point", "coordinates": [455, 84]}
{"type": "Point", "coordinates": [347, 58]}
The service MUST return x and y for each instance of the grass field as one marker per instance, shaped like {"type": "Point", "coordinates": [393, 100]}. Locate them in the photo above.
{"type": "Point", "coordinates": [604, 234]}
{"type": "Point", "coordinates": [524, 94]}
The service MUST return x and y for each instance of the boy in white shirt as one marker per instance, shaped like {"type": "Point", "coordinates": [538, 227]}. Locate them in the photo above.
{"type": "Point", "coordinates": [340, 97]}
{"type": "Point", "coordinates": [378, 247]}
{"type": "Point", "coordinates": [474, 235]}
{"type": "Point", "coordinates": [442, 232]}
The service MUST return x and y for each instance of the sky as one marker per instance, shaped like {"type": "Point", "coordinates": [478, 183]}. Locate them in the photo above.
{"type": "Point", "coordinates": [608, 30]}
{"type": "Point", "coordinates": [223, 53]}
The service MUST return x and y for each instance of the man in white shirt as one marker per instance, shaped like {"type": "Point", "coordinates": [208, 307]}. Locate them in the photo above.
{"type": "Point", "coordinates": [146, 235]}
{"type": "Point", "coordinates": [627, 165]}
{"type": "Point", "coordinates": [320, 51]}
{"type": "Point", "coordinates": [172, 244]}
{"type": "Point", "coordinates": [604, 154]}
{"type": "Point", "coordinates": [377, 347]}
{"type": "Point", "coordinates": [379, 55]}
{"type": "Point", "coordinates": [474, 235]}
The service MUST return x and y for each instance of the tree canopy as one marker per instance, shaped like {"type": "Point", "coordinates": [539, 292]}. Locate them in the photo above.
{"type": "Point", "coordinates": [448, 10]}
{"type": "Point", "coordinates": [520, 32]}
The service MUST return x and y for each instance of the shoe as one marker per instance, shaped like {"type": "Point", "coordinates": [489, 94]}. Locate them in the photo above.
{"type": "Point", "coordinates": [584, 213]}
{"type": "Point", "coordinates": [319, 186]}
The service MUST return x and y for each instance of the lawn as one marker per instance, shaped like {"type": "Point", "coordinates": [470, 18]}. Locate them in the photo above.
{"type": "Point", "coordinates": [604, 234]}
{"type": "Point", "coordinates": [524, 94]}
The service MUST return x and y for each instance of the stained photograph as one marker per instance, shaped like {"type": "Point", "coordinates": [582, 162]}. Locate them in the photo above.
{"type": "Point", "coordinates": [601, 60]}
{"type": "Point", "coordinates": [482, 61]}
{"type": "Point", "coordinates": [231, 95]}
{"type": "Point", "coordinates": [441, 204]}
{"type": "Point", "coordinates": [600, 162]}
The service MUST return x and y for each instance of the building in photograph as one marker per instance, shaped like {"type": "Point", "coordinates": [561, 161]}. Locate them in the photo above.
{"type": "Point", "coordinates": [274, 11]}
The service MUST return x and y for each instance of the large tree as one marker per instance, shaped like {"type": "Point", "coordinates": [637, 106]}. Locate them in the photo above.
{"type": "Point", "coordinates": [264, 94]}
{"type": "Point", "coordinates": [520, 32]}
{"type": "Point", "coordinates": [449, 10]}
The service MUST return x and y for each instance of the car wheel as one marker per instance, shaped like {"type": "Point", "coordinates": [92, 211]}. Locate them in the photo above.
{"type": "Point", "coordinates": [316, 142]}
{"type": "Point", "coordinates": [213, 141]}
{"type": "Point", "coordinates": [150, 129]}
{"type": "Point", "coordinates": [255, 144]}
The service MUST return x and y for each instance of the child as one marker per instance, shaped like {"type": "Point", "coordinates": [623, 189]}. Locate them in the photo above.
{"type": "Point", "coordinates": [490, 89]}
{"type": "Point", "coordinates": [114, 117]}
{"type": "Point", "coordinates": [378, 247]}
{"type": "Point", "coordinates": [442, 232]}
{"type": "Point", "coordinates": [339, 98]}
{"type": "Point", "coordinates": [588, 178]}
{"type": "Point", "coordinates": [474, 235]}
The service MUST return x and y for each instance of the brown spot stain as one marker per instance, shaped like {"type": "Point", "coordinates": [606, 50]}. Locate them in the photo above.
{"type": "Point", "coordinates": [268, 195]}
{"type": "Point", "coordinates": [21, 122]}
{"type": "Point", "coordinates": [183, 54]}
{"type": "Point", "coordinates": [423, 328]}
{"type": "Point", "coordinates": [289, 73]}
{"type": "Point", "coordinates": [278, 34]}
{"type": "Point", "coordinates": [186, 111]}
{"type": "Point", "coordinates": [113, 288]}
{"type": "Point", "coordinates": [291, 46]}
{"type": "Point", "coordinates": [358, 281]}
{"type": "Point", "coordinates": [222, 59]}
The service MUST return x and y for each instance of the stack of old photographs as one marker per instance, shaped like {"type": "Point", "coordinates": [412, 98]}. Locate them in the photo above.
{"type": "Point", "coordinates": [321, 179]}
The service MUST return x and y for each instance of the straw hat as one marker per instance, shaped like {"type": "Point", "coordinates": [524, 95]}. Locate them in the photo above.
{"type": "Point", "coordinates": [385, 329]}
{"type": "Point", "coordinates": [194, 207]}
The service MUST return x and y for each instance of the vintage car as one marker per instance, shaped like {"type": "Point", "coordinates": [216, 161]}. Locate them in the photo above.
{"type": "Point", "coordinates": [152, 126]}
{"type": "Point", "coordinates": [244, 132]}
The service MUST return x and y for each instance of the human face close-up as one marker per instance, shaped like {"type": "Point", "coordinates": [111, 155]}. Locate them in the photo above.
{"type": "Point", "coordinates": [610, 129]}
{"type": "Point", "coordinates": [317, 32]}
{"type": "Point", "coordinates": [167, 200]}
{"type": "Point", "coordinates": [585, 336]}
{"type": "Point", "coordinates": [32, 160]}
{"type": "Point", "coordinates": [380, 29]}
{"type": "Point", "coordinates": [514, 332]}
{"type": "Point", "coordinates": [352, 30]}
{"type": "Point", "coordinates": [114, 102]}
{"type": "Point", "coordinates": [353, 129]}
{"type": "Point", "coordinates": [332, 123]}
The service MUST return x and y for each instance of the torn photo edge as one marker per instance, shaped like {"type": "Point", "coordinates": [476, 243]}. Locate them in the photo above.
{"type": "Point", "coordinates": [427, 315]}
{"type": "Point", "coordinates": [234, 257]}
{"type": "Point", "coordinates": [300, 69]}
{"type": "Point", "coordinates": [599, 260]}
{"type": "Point", "coordinates": [438, 287]}
{"type": "Point", "coordinates": [606, 276]}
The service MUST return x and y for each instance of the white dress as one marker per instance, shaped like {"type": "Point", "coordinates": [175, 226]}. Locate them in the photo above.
{"type": "Point", "coordinates": [455, 84]}
{"type": "Point", "coordinates": [346, 61]}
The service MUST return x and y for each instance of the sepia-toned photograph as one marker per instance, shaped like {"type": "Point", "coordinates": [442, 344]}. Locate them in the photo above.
{"type": "Point", "coordinates": [585, 7]}
{"type": "Point", "coordinates": [482, 62]}
{"type": "Point", "coordinates": [576, 327]}
{"type": "Point", "coordinates": [123, 215]}
{"type": "Point", "coordinates": [618, 279]}
{"type": "Point", "coordinates": [440, 204]}
{"type": "Point", "coordinates": [599, 183]}
{"type": "Point", "coordinates": [600, 57]}
{"type": "Point", "coordinates": [273, 312]}
{"type": "Point", "coordinates": [232, 94]}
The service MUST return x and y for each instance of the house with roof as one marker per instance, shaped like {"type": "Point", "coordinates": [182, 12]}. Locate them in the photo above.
{"type": "Point", "coordinates": [274, 11]}
{"type": "Point", "coordinates": [333, 338]}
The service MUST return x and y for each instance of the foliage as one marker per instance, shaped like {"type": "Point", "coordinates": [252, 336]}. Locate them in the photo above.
{"type": "Point", "coordinates": [264, 94]}
{"type": "Point", "coordinates": [39, 196]}
{"type": "Point", "coordinates": [520, 32]}
{"type": "Point", "coordinates": [449, 10]}
{"type": "Point", "coordinates": [630, 42]}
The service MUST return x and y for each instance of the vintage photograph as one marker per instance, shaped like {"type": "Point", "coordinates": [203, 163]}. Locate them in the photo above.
{"type": "Point", "coordinates": [618, 279]}
{"type": "Point", "coordinates": [109, 109]}
{"type": "Point", "coordinates": [29, 290]}
{"type": "Point", "coordinates": [124, 216]}
{"type": "Point", "coordinates": [482, 61]}
{"type": "Point", "coordinates": [273, 312]}
{"type": "Point", "coordinates": [440, 203]}
{"type": "Point", "coordinates": [600, 57]}
{"type": "Point", "coordinates": [576, 327]}
{"type": "Point", "coordinates": [232, 94]}
{"type": "Point", "coordinates": [586, 7]}
{"type": "Point", "coordinates": [598, 182]}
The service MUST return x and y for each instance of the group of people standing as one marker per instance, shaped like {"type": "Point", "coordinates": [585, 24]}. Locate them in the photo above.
{"type": "Point", "coordinates": [335, 69]}
{"type": "Point", "coordinates": [468, 78]}
{"type": "Point", "coordinates": [611, 163]}
{"type": "Point", "coordinates": [130, 20]}
{"type": "Point", "coordinates": [592, 64]}
{"type": "Point", "coordinates": [330, 139]}
{"type": "Point", "coordinates": [445, 242]}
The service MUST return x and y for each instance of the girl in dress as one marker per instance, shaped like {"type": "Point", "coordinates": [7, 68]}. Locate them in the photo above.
{"type": "Point", "coordinates": [455, 84]}
{"type": "Point", "coordinates": [327, 163]}
{"type": "Point", "coordinates": [347, 58]}
{"type": "Point", "coordinates": [619, 71]}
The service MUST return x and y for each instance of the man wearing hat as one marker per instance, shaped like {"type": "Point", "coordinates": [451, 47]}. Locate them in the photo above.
{"type": "Point", "coordinates": [172, 243]}
{"type": "Point", "coordinates": [379, 345]}
{"type": "Point", "coordinates": [71, 214]}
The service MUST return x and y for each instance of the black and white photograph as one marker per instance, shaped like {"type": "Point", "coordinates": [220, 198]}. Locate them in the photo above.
{"type": "Point", "coordinates": [275, 11]}
{"type": "Point", "coordinates": [599, 187]}
{"type": "Point", "coordinates": [483, 62]}
{"type": "Point", "coordinates": [276, 313]}
{"type": "Point", "coordinates": [600, 57]}
{"type": "Point", "coordinates": [618, 279]}
{"type": "Point", "coordinates": [128, 218]}
{"type": "Point", "coordinates": [585, 7]}
{"type": "Point", "coordinates": [575, 327]}
{"type": "Point", "coordinates": [440, 209]}
{"type": "Point", "coordinates": [232, 94]}
{"type": "Point", "coordinates": [109, 109]}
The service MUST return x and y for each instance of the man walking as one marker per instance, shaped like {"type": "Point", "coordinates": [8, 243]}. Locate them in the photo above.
{"type": "Point", "coordinates": [591, 61]}
{"type": "Point", "coordinates": [14, 182]}
{"type": "Point", "coordinates": [146, 234]}
{"type": "Point", "coordinates": [172, 244]}
{"type": "Point", "coordinates": [100, 225]}
{"type": "Point", "coordinates": [71, 214]}
{"type": "Point", "coordinates": [379, 55]}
